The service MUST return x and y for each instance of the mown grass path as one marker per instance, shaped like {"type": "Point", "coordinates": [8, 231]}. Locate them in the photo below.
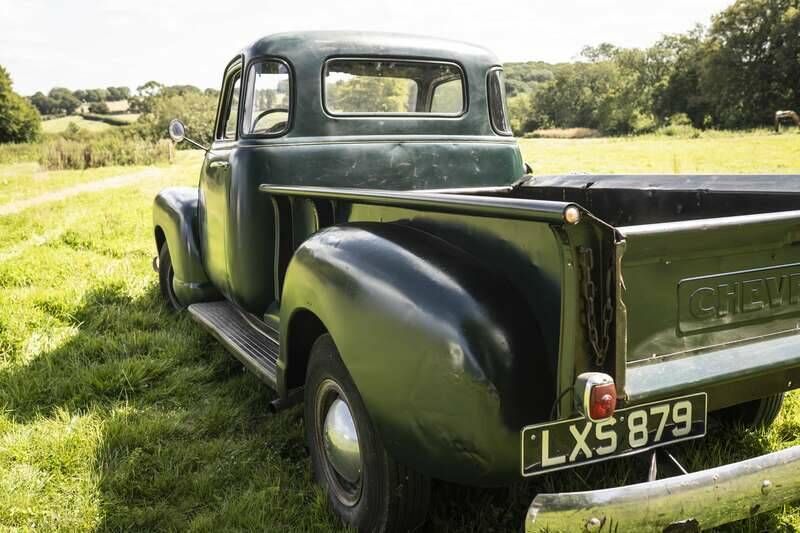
{"type": "Point", "coordinates": [92, 186]}
{"type": "Point", "coordinates": [118, 415]}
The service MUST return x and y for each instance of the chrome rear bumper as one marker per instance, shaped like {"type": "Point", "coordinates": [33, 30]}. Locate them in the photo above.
{"type": "Point", "coordinates": [691, 502]}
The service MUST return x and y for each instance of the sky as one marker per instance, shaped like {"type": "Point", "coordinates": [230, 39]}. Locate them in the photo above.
{"type": "Point", "coordinates": [82, 44]}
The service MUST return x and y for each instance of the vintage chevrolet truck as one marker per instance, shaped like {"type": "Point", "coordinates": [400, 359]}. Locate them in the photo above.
{"type": "Point", "coordinates": [366, 238]}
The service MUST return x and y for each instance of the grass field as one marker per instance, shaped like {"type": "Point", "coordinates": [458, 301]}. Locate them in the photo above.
{"type": "Point", "coordinates": [126, 117]}
{"type": "Point", "coordinates": [20, 181]}
{"type": "Point", "coordinates": [761, 151]}
{"type": "Point", "coordinates": [118, 415]}
{"type": "Point", "coordinates": [59, 125]}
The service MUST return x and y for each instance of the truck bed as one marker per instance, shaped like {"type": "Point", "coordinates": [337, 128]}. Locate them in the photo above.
{"type": "Point", "coordinates": [708, 270]}
{"type": "Point", "coordinates": [700, 274]}
{"type": "Point", "coordinates": [633, 200]}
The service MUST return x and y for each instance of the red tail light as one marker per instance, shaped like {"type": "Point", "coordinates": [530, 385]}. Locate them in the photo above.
{"type": "Point", "coordinates": [595, 395]}
{"type": "Point", "coordinates": [602, 401]}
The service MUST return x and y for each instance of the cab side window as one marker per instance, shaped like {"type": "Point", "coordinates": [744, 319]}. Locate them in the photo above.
{"type": "Point", "coordinates": [268, 102]}
{"type": "Point", "coordinates": [230, 111]}
{"type": "Point", "coordinates": [498, 111]}
{"type": "Point", "coordinates": [233, 108]}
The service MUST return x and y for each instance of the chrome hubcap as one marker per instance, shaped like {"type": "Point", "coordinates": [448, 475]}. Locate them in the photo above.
{"type": "Point", "coordinates": [339, 439]}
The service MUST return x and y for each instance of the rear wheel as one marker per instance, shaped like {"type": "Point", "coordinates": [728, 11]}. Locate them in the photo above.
{"type": "Point", "coordinates": [364, 485]}
{"type": "Point", "coordinates": [165, 278]}
{"type": "Point", "coordinates": [757, 414]}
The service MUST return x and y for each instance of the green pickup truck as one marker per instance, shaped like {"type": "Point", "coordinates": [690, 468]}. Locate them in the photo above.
{"type": "Point", "coordinates": [366, 238]}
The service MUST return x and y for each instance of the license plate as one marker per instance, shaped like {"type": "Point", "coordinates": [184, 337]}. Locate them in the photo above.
{"type": "Point", "coordinates": [558, 445]}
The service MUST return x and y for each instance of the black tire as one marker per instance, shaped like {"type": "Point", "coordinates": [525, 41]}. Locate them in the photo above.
{"type": "Point", "coordinates": [165, 277]}
{"type": "Point", "coordinates": [757, 414]}
{"type": "Point", "coordinates": [390, 497]}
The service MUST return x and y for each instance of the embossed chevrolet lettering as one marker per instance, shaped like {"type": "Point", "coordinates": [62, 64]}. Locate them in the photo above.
{"type": "Point", "coordinates": [734, 297]}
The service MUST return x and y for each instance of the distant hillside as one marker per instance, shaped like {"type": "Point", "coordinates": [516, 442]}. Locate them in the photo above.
{"type": "Point", "coordinates": [523, 77]}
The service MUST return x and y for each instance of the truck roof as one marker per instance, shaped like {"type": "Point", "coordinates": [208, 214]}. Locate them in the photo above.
{"type": "Point", "coordinates": [306, 54]}
{"type": "Point", "coordinates": [324, 44]}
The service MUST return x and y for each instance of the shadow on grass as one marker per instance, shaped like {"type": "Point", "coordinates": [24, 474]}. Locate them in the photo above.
{"type": "Point", "coordinates": [187, 443]}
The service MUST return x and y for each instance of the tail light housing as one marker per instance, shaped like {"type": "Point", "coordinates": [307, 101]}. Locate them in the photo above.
{"type": "Point", "coordinates": [596, 395]}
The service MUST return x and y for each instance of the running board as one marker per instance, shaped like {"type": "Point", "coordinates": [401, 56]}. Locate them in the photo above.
{"type": "Point", "coordinates": [254, 347]}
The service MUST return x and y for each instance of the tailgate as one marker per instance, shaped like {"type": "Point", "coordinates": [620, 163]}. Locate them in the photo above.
{"type": "Point", "coordinates": [711, 287]}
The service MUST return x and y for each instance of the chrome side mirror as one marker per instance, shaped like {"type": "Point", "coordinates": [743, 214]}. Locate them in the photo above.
{"type": "Point", "coordinates": [177, 132]}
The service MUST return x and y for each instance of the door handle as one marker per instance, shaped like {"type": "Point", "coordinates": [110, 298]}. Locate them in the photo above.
{"type": "Point", "coordinates": [218, 164]}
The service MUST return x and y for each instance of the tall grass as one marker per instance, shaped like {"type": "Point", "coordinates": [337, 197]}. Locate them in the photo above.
{"type": "Point", "coordinates": [103, 150]}
{"type": "Point", "coordinates": [16, 153]}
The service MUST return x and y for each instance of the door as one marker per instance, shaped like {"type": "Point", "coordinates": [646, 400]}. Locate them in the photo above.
{"type": "Point", "coordinates": [215, 182]}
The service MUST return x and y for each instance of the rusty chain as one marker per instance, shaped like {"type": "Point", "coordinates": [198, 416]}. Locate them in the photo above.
{"type": "Point", "coordinates": [599, 344]}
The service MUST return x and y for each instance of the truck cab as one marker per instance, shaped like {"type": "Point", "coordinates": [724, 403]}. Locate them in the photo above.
{"type": "Point", "coordinates": [366, 239]}
{"type": "Point", "coordinates": [322, 109]}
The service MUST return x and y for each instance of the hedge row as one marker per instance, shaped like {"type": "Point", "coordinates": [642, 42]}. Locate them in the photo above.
{"type": "Point", "coordinates": [105, 118]}
{"type": "Point", "coordinates": [103, 150]}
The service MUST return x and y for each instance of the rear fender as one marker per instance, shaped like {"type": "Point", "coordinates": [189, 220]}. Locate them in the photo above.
{"type": "Point", "coordinates": [174, 220]}
{"type": "Point", "coordinates": [447, 356]}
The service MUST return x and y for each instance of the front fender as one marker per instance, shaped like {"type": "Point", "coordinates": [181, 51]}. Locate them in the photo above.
{"type": "Point", "coordinates": [446, 354]}
{"type": "Point", "coordinates": [175, 215]}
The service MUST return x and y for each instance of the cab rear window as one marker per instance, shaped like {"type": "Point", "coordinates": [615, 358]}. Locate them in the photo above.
{"type": "Point", "coordinates": [393, 87]}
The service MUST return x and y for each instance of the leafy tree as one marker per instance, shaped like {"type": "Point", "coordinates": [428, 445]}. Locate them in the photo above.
{"type": "Point", "coordinates": [600, 52]}
{"type": "Point", "coordinates": [118, 93]}
{"type": "Point", "coordinates": [19, 120]}
{"type": "Point", "coordinates": [151, 88]}
{"type": "Point", "coordinates": [527, 77]}
{"type": "Point", "coordinates": [523, 114]}
{"type": "Point", "coordinates": [580, 95]}
{"type": "Point", "coordinates": [752, 62]}
{"type": "Point", "coordinates": [195, 108]}
{"type": "Point", "coordinates": [43, 103]}
{"type": "Point", "coordinates": [100, 108]}
{"type": "Point", "coordinates": [63, 100]}
{"type": "Point", "coordinates": [735, 74]}
{"type": "Point", "coordinates": [173, 90]}
{"type": "Point", "coordinates": [680, 91]}
{"type": "Point", "coordinates": [137, 104]}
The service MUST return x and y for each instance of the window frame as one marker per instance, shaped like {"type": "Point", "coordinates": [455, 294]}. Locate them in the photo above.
{"type": "Point", "coordinates": [225, 98]}
{"type": "Point", "coordinates": [508, 133]}
{"type": "Point", "coordinates": [292, 99]}
{"type": "Point", "coordinates": [378, 115]}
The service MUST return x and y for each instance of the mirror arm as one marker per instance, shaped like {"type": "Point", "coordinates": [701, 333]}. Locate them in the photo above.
{"type": "Point", "coordinates": [197, 144]}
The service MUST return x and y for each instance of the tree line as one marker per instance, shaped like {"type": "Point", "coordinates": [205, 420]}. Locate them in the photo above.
{"type": "Point", "coordinates": [733, 74]}
{"type": "Point", "coordinates": [62, 101]}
